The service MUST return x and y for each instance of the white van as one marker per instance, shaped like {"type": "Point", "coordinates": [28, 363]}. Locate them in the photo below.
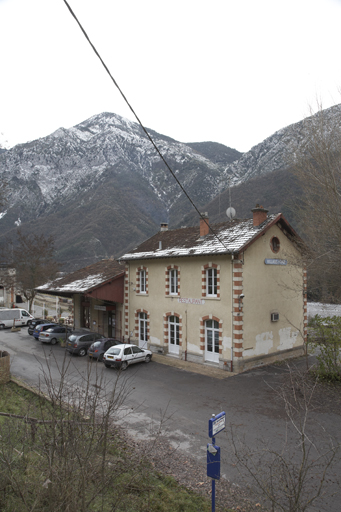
{"type": "Point", "coordinates": [14, 317]}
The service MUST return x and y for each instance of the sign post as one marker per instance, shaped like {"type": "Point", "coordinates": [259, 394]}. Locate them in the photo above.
{"type": "Point", "coordinates": [215, 425]}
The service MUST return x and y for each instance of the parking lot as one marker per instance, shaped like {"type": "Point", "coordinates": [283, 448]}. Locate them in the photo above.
{"type": "Point", "coordinates": [184, 400]}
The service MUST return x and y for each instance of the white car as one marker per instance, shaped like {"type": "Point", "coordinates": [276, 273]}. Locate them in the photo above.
{"type": "Point", "coordinates": [121, 356]}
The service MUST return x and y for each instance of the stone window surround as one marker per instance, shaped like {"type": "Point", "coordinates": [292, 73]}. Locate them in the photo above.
{"type": "Point", "coordinates": [166, 327]}
{"type": "Point", "coordinates": [202, 332]}
{"type": "Point", "coordinates": [137, 311]}
{"type": "Point", "coordinates": [167, 280]}
{"type": "Point", "coordinates": [204, 280]}
{"type": "Point", "coordinates": [138, 270]}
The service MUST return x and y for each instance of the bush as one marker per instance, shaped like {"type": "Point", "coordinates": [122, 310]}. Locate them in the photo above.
{"type": "Point", "coordinates": [326, 338]}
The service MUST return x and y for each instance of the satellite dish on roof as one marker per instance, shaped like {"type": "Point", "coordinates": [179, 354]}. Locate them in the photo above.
{"type": "Point", "coordinates": [231, 213]}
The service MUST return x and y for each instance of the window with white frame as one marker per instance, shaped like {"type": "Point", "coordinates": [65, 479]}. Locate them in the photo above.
{"type": "Point", "coordinates": [212, 337]}
{"type": "Point", "coordinates": [143, 328]}
{"type": "Point", "coordinates": [173, 330]}
{"type": "Point", "coordinates": [173, 281]}
{"type": "Point", "coordinates": [143, 285]}
{"type": "Point", "coordinates": [211, 282]}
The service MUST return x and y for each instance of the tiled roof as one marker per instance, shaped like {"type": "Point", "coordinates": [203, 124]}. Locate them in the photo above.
{"type": "Point", "coordinates": [230, 237]}
{"type": "Point", "coordinates": [86, 278]}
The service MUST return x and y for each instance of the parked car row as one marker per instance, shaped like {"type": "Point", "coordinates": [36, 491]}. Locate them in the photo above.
{"type": "Point", "coordinates": [80, 342]}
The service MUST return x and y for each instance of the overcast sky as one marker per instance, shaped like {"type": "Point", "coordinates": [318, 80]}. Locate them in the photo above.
{"type": "Point", "coordinates": [229, 71]}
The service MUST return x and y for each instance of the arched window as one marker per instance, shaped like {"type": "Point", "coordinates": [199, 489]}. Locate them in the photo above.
{"type": "Point", "coordinates": [143, 330]}
{"type": "Point", "coordinates": [143, 288]}
{"type": "Point", "coordinates": [212, 341]}
{"type": "Point", "coordinates": [142, 280]}
{"type": "Point", "coordinates": [173, 281]}
{"type": "Point", "coordinates": [211, 282]}
{"type": "Point", "coordinates": [173, 334]}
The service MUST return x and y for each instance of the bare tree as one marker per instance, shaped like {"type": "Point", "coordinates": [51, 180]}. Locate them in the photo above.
{"type": "Point", "coordinates": [316, 162]}
{"type": "Point", "coordinates": [292, 477]}
{"type": "Point", "coordinates": [67, 453]}
{"type": "Point", "coordinates": [32, 258]}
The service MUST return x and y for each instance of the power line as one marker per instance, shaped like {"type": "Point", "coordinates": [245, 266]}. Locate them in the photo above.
{"type": "Point", "coordinates": [140, 123]}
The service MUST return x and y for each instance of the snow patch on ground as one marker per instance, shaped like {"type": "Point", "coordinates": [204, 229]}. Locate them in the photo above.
{"type": "Point", "coordinates": [318, 308]}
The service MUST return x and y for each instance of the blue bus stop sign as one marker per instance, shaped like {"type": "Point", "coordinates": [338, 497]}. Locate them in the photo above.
{"type": "Point", "coordinates": [216, 424]}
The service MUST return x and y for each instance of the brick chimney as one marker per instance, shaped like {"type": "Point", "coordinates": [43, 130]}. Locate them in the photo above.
{"type": "Point", "coordinates": [204, 225]}
{"type": "Point", "coordinates": [164, 226]}
{"type": "Point", "coordinates": [260, 214]}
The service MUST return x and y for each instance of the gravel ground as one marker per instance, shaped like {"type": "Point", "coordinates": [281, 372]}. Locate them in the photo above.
{"type": "Point", "coordinates": [190, 473]}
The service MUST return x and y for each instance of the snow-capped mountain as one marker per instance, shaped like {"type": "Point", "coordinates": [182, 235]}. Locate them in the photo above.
{"type": "Point", "coordinates": [275, 152]}
{"type": "Point", "coordinates": [100, 188]}
{"type": "Point", "coordinates": [262, 174]}
{"type": "Point", "coordinates": [105, 178]}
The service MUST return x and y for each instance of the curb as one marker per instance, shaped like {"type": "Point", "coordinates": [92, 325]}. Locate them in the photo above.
{"type": "Point", "coordinates": [202, 369]}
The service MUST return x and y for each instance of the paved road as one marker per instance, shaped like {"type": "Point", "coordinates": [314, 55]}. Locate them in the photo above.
{"type": "Point", "coordinates": [184, 400]}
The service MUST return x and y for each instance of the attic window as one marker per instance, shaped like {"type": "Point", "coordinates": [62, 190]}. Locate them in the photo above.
{"type": "Point", "coordinates": [275, 244]}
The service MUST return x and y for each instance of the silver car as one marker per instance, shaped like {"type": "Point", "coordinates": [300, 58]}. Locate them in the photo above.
{"type": "Point", "coordinates": [54, 334]}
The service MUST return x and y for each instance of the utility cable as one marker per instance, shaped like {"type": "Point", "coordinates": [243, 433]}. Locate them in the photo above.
{"type": "Point", "coordinates": [140, 123]}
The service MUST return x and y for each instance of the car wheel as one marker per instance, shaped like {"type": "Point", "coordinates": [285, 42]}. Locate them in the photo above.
{"type": "Point", "coordinates": [2, 326]}
{"type": "Point", "coordinates": [100, 358]}
{"type": "Point", "coordinates": [107, 365]}
{"type": "Point", "coordinates": [53, 341]}
{"type": "Point", "coordinates": [148, 359]}
{"type": "Point", "coordinates": [82, 352]}
{"type": "Point", "coordinates": [124, 365]}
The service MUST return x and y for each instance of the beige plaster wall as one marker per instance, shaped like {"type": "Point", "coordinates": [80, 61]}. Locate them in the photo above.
{"type": "Point", "coordinates": [157, 303]}
{"type": "Point", "coordinates": [269, 289]}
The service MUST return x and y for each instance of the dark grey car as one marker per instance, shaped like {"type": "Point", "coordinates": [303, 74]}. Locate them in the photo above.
{"type": "Point", "coordinates": [97, 349]}
{"type": "Point", "coordinates": [80, 340]}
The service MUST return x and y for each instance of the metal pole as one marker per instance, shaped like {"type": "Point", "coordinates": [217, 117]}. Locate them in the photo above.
{"type": "Point", "coordinates": [213, 495]}
{"type": "Point", "coordinates": [213, 483]}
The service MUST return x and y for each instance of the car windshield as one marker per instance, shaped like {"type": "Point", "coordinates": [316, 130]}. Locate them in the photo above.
{"type": "Point", "coordinates": [72, 337]}
{"type": "Point", "coordinates": [96, 344]}
{"type": "Point", "coordinates": [114, 350]}
{"type": "Point", "coordinates": [50, 329]}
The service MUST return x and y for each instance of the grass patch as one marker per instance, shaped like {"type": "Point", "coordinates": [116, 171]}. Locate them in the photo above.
{"type": "Point", "coordinates": [63, 463]}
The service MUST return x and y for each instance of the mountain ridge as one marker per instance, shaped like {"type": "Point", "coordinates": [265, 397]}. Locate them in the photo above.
{"type": "Point", "coordinates": [100, 188]}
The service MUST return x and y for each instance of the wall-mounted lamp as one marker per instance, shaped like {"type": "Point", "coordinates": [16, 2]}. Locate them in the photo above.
{"type": "Point", "coordinates": [241, 297]}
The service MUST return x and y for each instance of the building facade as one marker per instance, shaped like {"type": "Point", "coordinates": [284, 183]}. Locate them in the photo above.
{"type": "Point", "coordinates": [231, 295]}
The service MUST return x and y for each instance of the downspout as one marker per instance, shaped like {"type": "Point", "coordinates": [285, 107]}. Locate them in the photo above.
{"type": "Point", "coordinates": [232, 312]}
{"type": "Point", "coordinates": [186, 338]}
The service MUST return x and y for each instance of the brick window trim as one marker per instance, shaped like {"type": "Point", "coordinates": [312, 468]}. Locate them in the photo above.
{"type": "Point", "coordinates": [204, 280]}
{"type": "Point", "coordinates": [165, 326]}
{"type": "Point", "coordinates": [167, 281]}
{"type": "Point", "coordinates": [138, 280]}
{"type": "Point", "coordinates": [202, 332]}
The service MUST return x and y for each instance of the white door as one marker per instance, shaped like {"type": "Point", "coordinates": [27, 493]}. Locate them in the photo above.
{"type": "Point", "coordinates": [143, 330]}
{"type": "Point", "coordinates": [212, 341]}
{"type": "Point", "coordinates": [173, 334]}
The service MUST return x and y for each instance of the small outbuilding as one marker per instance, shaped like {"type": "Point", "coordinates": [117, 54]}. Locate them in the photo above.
{"type": "Point", "coordinates": [98, 296]}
